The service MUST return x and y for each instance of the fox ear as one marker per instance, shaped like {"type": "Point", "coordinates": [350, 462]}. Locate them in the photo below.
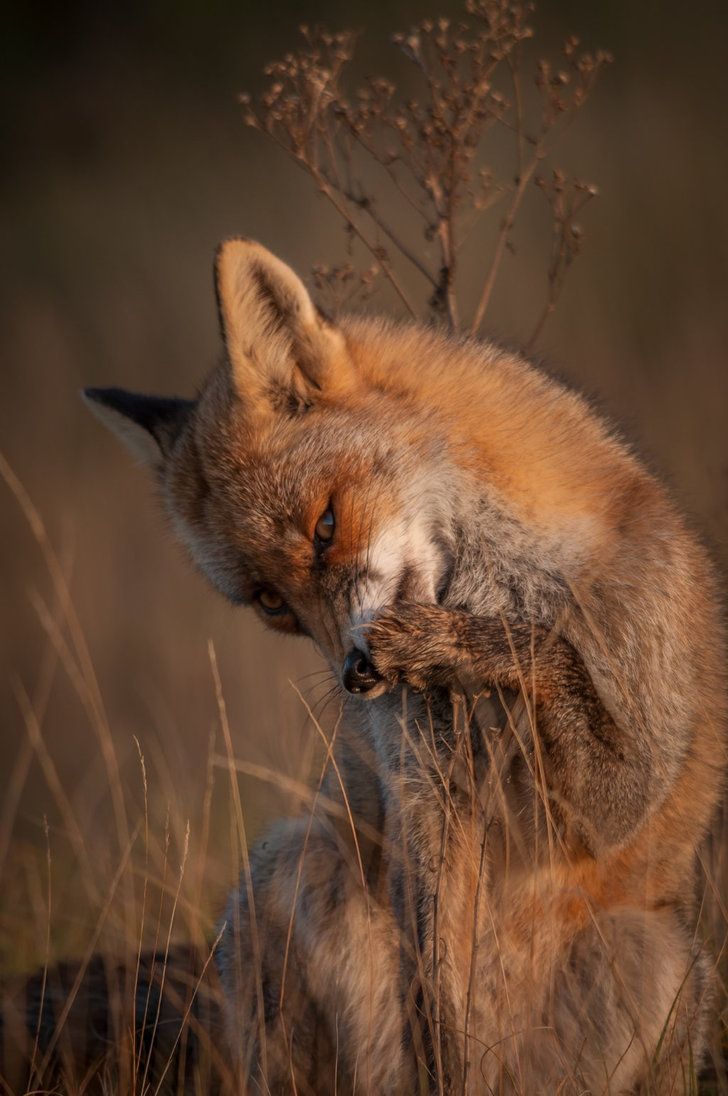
{"type": "Point", "coordinates": [281, 350]}
{"type": "Point", "coordinates": [148, 425]}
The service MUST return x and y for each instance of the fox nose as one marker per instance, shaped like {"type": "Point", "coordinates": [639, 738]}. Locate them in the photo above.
{"type": "Point", "coordinates": [357, 673]}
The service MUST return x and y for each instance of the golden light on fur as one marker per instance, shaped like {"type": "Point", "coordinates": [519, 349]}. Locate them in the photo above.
{"type": "Point", "coordinates": [545, 749]}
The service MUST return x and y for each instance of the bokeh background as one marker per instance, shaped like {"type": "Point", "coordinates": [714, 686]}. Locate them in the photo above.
{"type": "Point", "coordinates": [125, 161]}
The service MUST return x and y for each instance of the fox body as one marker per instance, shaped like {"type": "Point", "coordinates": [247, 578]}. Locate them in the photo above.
{"type": "Point", "coordinates": [496, 890]}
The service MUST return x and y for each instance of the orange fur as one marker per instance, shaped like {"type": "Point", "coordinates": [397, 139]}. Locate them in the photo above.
{"type": "Point", "coordinates": [537, 865]}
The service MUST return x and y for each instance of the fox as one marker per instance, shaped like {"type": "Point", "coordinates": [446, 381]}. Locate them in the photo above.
{"type": "Point", "coordinates": [496, 890]}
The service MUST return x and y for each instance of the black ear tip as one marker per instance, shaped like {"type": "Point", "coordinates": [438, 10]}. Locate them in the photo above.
{"type": "Point", "coordinates": [116, 398]}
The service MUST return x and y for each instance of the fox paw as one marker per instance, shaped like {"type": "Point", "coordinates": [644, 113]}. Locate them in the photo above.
{"type": "Point", "coordinates": [414, 644]}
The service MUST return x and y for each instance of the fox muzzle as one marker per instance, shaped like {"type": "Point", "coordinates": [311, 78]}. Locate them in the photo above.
{"type": "Point", "coordinates": [358, 674]}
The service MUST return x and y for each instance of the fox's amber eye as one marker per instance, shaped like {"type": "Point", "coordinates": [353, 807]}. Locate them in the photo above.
{"type": "Point", "coordinates": [271, 602]}
{"type": "Point", "coordinates": [325, 526]}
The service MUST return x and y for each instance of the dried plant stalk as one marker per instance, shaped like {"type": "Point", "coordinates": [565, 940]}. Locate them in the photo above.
{"type": "Point", "coordinates": [430, 153]}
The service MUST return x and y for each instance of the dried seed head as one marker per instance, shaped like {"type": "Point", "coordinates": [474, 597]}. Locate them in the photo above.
{"type": "Point", "coordinates": [430, 146]}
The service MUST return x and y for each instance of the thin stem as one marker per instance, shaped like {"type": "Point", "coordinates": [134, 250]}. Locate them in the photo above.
{"type": "Point", "coordinates": [329, 193]}
{"type": "Point", "coordinates": [375, 251]}
{"type": "Point", "coordinates": [505, 231]}
{"type": "Point", "coordinates": [366, 204]}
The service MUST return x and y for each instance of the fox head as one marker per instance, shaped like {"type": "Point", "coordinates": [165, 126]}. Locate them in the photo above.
{"type": "Point", "coordinates": [301, 481]}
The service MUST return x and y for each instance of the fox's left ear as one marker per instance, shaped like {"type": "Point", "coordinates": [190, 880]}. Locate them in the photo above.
{"type": "Point", "coordinates": [281, 350]}
{"type": "Point", "coordinates": [147, 425]}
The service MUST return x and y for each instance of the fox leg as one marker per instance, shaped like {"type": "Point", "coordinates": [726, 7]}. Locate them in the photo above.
{"type": "Point", "coordinates": [318, 1005]}
{"type": "Point", "coordinates": [594, 767]}
{"type": "Point", "coordinates": [628, 1004]}
{"type": "Point", "coordinates": [617, 1010]}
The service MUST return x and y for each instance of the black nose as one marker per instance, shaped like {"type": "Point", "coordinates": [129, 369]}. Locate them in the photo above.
{"type": "Point", "coordinates": [358, 674]}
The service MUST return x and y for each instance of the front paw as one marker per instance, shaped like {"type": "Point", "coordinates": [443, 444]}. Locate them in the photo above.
{"type": "Point", "coordinates": [413, 644]}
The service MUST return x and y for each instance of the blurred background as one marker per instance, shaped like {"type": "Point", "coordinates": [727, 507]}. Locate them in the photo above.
{"type": "Point", "coordinates": [125, 161]}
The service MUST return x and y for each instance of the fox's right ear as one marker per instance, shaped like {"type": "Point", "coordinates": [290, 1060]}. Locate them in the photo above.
{"type": "Point", "coordinates": [281, 350]}
{"type": "Point", "coordinates": [147, 425]}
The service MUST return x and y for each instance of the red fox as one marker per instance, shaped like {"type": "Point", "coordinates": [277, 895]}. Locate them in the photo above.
{"type": "Point", "coordinates": [497, 892]}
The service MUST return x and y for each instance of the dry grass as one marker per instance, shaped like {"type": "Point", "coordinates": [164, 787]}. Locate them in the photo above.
{"type": "Point", "coordinates": [121, 824]}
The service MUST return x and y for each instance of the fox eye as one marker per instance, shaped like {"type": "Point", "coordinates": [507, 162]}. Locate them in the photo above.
{"type": "Point", "coordinates": [271, 602]}
{"type": "Point", "coordinates": [325, 526]}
